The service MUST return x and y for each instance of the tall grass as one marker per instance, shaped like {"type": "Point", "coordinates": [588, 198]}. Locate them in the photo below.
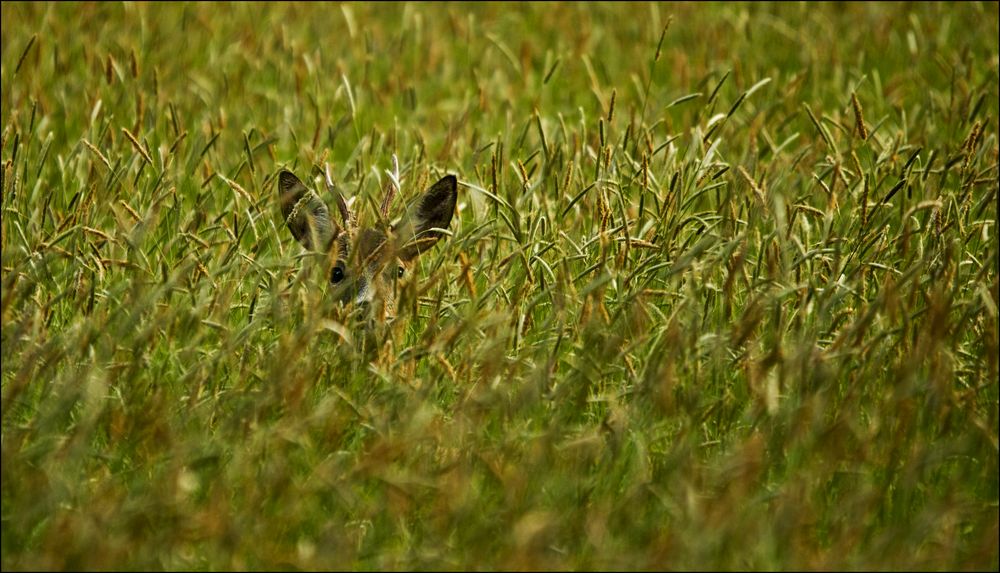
{"type": "Point", "coordinates": [721, 290]}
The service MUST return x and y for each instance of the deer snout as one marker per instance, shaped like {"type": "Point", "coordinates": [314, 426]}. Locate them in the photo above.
{"type": "Point", "coordinates": [364, 295]}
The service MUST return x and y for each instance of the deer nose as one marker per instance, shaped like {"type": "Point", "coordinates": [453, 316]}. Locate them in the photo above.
{"type": "Point", "coordinates": [364, 297]}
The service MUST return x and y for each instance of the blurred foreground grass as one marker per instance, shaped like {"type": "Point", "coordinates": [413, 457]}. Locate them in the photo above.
{"type": "Point", "coordinates": [699, 309]}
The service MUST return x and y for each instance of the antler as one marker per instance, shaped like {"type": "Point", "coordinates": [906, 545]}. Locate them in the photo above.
{"type": "Point", "coordinates": [390, 193]}
{"type": "Point", "coordinates": [345, 211]}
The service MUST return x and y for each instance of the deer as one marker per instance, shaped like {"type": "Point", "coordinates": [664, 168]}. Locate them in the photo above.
{"type": "Point", "coordinates": [366, 262]}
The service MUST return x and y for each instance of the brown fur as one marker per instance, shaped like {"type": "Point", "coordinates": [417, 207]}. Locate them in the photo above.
{"type": "Point", "coordinates": [367, 261]}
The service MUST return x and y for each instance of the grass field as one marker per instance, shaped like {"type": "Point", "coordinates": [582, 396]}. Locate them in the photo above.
{"type": "Point", "coordinates": [721, 290]}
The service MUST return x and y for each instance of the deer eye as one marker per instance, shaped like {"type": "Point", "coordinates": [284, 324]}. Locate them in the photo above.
{"type": "Point", "coordinates": [337, 274]}
{"type": "Point", "coordinates": [400, 271]}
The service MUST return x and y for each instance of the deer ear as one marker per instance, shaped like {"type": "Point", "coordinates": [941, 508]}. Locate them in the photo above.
{"type": "Point", "coordinates": [416, 231]}
{"type": "Point", "coordinates": [307, 216]}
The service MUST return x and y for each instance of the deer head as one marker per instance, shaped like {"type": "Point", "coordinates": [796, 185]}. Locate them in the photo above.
{"type": "Point", "coordinates": [366, 262]}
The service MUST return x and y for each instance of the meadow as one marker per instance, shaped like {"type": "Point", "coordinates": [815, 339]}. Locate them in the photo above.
{"type": "Point", "coordinates": [720, 292]}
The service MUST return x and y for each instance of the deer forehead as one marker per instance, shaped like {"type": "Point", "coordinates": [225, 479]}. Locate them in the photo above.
{"type": "Point", "coordinates": [370, 247]}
